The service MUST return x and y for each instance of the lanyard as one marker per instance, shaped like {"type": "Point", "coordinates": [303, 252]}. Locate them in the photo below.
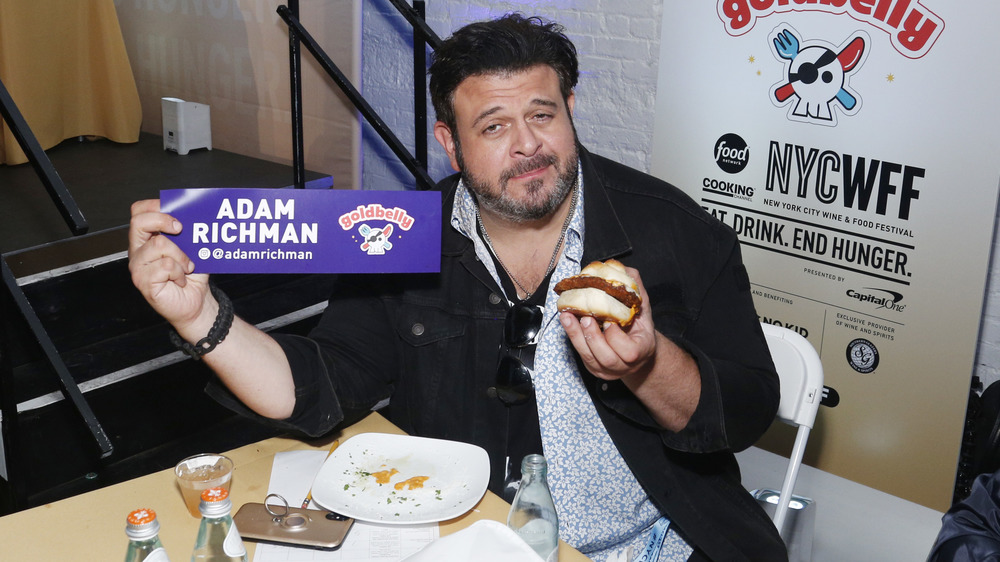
{"type": "Point", "coordinates": [652, 549]}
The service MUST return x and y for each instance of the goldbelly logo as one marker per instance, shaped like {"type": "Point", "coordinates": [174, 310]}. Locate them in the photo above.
{"type": "Point", "coordinates": [911, 27]}
{"type": "Point", "coordinates": [817, 76]}
{"type": "Point", "coordinates": [375, 241]}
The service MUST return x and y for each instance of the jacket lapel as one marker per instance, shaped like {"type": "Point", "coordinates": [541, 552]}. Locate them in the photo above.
{"type": "Point", "coordinates": [605, 237]}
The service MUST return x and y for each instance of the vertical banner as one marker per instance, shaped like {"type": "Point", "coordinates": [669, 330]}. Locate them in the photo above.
{"type": "Point", "coordinates": [852, 146]}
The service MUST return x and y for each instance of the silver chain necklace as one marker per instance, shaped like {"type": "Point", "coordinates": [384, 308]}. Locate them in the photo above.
{"type": "Point", "coordinates": [555, 252]}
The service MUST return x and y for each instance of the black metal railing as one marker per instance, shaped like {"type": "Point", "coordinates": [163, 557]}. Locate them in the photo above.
{"type": "Point", "coordinates": [15, 302]}
{"type": "Point", "coordinates": [41, 163]}
{"type": "Point", "coordinates": [423, 36]}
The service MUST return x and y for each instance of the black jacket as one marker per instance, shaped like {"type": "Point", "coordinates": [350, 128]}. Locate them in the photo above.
{"type": "Point", "coordinates": [430, 343]}
{"type": "Point", "coordinates": [970, 530]}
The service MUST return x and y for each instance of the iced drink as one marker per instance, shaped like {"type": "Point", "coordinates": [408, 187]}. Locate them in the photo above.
{"type": "Point", "coordinates": [200, 472]}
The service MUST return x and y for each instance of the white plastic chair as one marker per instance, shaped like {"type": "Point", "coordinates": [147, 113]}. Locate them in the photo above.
{"type": "Point", "coordinates": [801, 374]}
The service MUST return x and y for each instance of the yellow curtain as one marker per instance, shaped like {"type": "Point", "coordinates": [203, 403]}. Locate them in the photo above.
{"type": "Point", "coordinates": [64, 64]}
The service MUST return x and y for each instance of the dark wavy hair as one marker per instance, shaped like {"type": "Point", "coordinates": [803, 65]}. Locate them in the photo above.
{"type": "Point", "coordinates": [510, 44]}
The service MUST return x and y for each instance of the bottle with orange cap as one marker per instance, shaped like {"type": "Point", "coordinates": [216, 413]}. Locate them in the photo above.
{"type": "Point", "coordinates": [218, 538]}
{"type": "Point", "coordinates": [143, 532]}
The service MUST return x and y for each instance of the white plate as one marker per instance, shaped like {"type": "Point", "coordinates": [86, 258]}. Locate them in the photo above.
{"type": "Point", "coordinates": [457, 476]}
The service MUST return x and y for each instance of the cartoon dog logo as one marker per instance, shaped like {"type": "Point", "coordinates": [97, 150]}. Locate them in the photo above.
{"type": "Point", "coordinates": [816, 76]}
{"type": "Point", "coordinates": [376, 240]}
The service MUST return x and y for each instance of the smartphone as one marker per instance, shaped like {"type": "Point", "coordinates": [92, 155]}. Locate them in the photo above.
{"type": "Point", "coordinates": [300, 527]}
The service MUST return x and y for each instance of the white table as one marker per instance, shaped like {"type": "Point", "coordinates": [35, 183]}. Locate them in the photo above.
{"type": "Point", "coordinates": [853, 522]}
{"type": "Point", "coordinates": [91, 526]}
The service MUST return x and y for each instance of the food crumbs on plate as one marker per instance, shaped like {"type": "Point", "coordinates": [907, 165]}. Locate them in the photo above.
{"type": "Point", "coordinates": [383, 476]}
{"type": "Point", "coordinates": [412, 483]}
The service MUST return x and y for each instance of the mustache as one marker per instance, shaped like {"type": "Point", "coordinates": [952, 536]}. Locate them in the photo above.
{"type": "Point", "coordinates": [525, 166]}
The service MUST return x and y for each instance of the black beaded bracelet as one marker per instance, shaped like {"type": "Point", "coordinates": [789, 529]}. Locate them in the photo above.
{"type": "Point", "coordinates": [219, 331]}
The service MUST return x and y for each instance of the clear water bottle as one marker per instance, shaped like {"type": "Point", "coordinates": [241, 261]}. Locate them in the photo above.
{"type": "Point", "coordinates": [144, 544]}
{"type": "Point", "coordinates": [218, 539]}
{"type": "Point", "coordinates": [533, 514]}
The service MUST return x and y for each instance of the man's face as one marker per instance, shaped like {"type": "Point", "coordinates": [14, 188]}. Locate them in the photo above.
{"type": "Point", "coordinates": [514, 142]}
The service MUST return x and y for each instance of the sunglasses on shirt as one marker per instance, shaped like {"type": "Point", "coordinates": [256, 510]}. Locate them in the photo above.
{"type": "Point", "coordinates": [522, 328]}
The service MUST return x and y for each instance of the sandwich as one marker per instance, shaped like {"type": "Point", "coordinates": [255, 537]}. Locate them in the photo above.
{"type": "Point", "coordinates": [602, 290]}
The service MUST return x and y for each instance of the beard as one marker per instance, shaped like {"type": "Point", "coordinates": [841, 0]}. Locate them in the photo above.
{"type": "Point", "coordinates": [539, 201]}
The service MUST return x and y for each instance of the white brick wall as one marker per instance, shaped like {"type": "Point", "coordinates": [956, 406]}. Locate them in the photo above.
{"type": "Point", "coordinates": [618, 42]}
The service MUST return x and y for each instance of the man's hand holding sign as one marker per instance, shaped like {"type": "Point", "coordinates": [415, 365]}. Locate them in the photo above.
{"type": "Point", "coordinates": [255, 231]}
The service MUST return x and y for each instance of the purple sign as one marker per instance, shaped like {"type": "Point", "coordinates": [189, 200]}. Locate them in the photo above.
{"type": "Point", "coordinates": [235, 230]}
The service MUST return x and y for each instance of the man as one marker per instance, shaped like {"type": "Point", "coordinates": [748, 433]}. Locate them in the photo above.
{"type": "Point", "coordinates": [639, 426]}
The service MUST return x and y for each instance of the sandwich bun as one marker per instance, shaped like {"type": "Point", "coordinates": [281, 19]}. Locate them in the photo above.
{"type": "Point", "coordinates": [603, 290]}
